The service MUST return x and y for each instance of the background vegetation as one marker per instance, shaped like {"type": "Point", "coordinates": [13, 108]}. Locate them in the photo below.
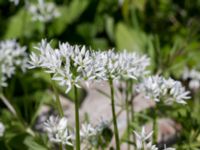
{"type": "Point", "coordinates": [166, 30]}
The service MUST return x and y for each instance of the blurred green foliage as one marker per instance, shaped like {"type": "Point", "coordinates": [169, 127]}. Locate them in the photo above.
{"type": "Point", "coordinates": [166, 30]}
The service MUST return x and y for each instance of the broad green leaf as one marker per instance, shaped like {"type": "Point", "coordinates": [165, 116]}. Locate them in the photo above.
{"type": "Point", "coordinates": [16, 143]}
{"type": "Point", "coordinates": [110, 27]}
{"type": "Point", "coordinates": [75, 9]}
{"type": "Point", "coordinates": [130, 39]}
{"type": "Point", "coordinates": [69, 14]}
{"type": "Point", "coordinates": [32, 144]}
{"type": "Point", "coordinates": [15, 25]}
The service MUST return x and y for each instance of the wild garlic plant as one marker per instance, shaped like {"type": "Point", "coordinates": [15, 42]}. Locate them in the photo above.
{"type": "Point", "coordinates": [58, 132]}
{"type": "Point", "coordinates": [119, 67]}
{"type": "Point", "coordinates": [12, 57]}
{"type": "Point", "coordinates": [88, 135]}
{"type": "Point", "coordinates": [71, 65]}
{"type": "Point", "coordinates": [143, 141]}
{"type": "Point", "coordinates": [162, 91]}
{"type": "Point", "coordinates": [43, 11]}
{"type": "Point", "coordinates": [159, 89]}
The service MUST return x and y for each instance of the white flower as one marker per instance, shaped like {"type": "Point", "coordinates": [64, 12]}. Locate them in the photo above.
{"type": "Point", "coordinates": [168, 90]}
{"type": "Point", "coordinates": [194, 78]}
{"type": "Point", "coordinates": [143, 141]}
{"type": "Point", "coordinates": [2, 129]}
{"type": "Point", "coordinates": [43, 11]}
{"type": "Point", "coordinates": [194, 84]}
{"type": "Point", "coordinates": [109, 64]}
{"type": "Point", "coordinates": [87, 131]}
{"type": "Point", "coordinates": [89, 136]}
{"type": "Point", "coordinates": [176, 93]}
{"type": "Point", "coordinates": [69, 65]}
{"type": "Point", "coordinates": [151, 87]}
{"type": "Point", "coordinates": [12, 56]}
{"type": "Point", "coordinates": [57, 129]}
{"type": "Point", "coordinates": [133, 65]}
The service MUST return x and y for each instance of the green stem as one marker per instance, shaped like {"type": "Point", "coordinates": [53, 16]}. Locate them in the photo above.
{"type": "Point", "coordinates": [143, 148]}
{"type": "Point", "coordinates": [60, 146]}
{"type": "Point", "coordinates": [131, 100]}
{"type": "Point", "coordinates": [12, 109]}
{"type": "Point", "coordinates": [114, 116]}
{"type": "Point", "coordinates": [8, 104]}
{"type": "Point", "coordinates": [77, 118]}
{"type": "Point", "coordinates": [58, 103]}
{"type": "Point", "coordinates": [23, 29]}
{"type": "Point", "coordinates": [155, 125]}
{"type": "Point", "coordinates": [132, 106]}
{"type": "Point", "coordinates": [127, 115]}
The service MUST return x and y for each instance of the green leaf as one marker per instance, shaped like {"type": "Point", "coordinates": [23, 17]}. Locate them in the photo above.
{"type": "Point", "coordinates": [110, 27]}
{"type": "Point", "coordinates": [130, 39]}
{"type": "Point", "coordinates": [16, 143]}
{"type": "Point", "coordinates": [75, 9]}
{"type": "Point", "coordinates": [15, 25]}
{"type": "Point", "coordinates": [32, 144]}
{"type": "Point", "coordinates": [69, 14]}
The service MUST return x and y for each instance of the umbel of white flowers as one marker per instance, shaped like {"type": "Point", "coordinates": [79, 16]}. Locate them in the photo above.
{"type": "Point", "coordinates": [159, 88]}
{"type": "Point", "coordinates": [12, 55]}
{"type": "Point", "coordinates": [90, 134]}
{"type": "Point", "coordinates": [193, 76]}
{"type": "Point", "coordinates": [58, 131]}
{"type": "Point", "coordinates": [143, 141]}
{"type": "Point", "coordinates": [2, 129]}
{"type": "Point", "coordinates": [70, 65]}
{"type": "Point", "coordinates": [43, 11]}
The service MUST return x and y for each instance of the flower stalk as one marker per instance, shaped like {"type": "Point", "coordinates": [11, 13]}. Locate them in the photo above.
{"type": "Point", "coordinates": [8, 104]}
{"type": "Point", "coordinates": [114, 115]}
{"type": "Point", "coordinates": [58, 103]}
{"type": "Point", "coordinates": [127, 115]}
{"type": "Point", "coordinates": [77, 118]}
{"type": "Point", "coordinates": [60, 146]}
{"type": "Point", "coordinates": [155, 124]}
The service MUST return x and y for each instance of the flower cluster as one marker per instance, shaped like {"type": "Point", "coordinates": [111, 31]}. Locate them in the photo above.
{"type": "Point", "coordinates": [194, 78]}
{"type": "Point", "coordinates": [88, 135]}
{"type": "Point", "coordinates": [2, 129]}
{"type": "Point", "coordinates": [143, 141]}
{"type": "Point", "coordinates": [87, 130]}
{"type": "Point", "coordinates": [12, 55]}
{"type": "Point", "coordinates": [57, 130]}
{"type": "Point", "coordinates": [43, 11]}
{"type": "Point", "coordinates": [121, 65]}
{"type": "Point", "coordinates": [168, 90]}
{"type": "Point", "coordinates": [70, 65]}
